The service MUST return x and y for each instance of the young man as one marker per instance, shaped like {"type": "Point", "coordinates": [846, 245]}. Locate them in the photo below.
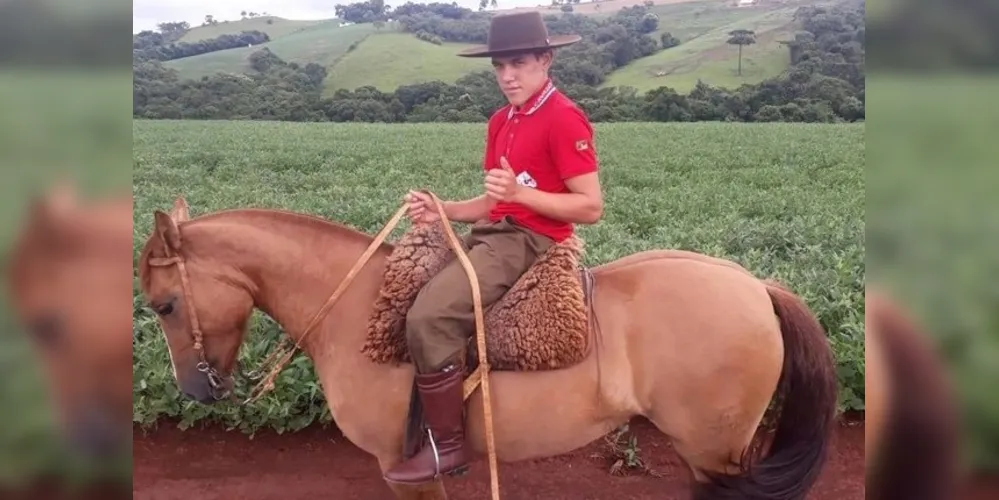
{"type": "Point", "coordinates": [540, 179]}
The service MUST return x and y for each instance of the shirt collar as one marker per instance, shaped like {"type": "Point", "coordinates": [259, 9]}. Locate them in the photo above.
{"type": "Point", "coordinates": [535, 101]}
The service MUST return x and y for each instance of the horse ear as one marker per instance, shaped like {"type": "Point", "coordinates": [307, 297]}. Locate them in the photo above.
{"type": "Point", "coordinates": [180, 212]}
{"type": "Point", "coordinates": [57, 202]}
{"type": "Point", "coordinates": [166, 228]}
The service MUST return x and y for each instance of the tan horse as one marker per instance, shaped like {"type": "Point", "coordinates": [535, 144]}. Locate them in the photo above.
{"type": "Point", "coordinates": [695, 344]}
{"type": "Point", "coordinates": [912, 429]}
{"type": "Point", "coordinates": [70, 287]}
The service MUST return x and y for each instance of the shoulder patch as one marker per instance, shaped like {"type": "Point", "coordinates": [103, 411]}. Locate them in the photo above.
{"type": "Point", "coordinates": [582, 145]}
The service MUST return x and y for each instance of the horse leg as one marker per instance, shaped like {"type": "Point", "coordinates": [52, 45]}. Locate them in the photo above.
{"type": "Point", "coordinates": [710, 449]}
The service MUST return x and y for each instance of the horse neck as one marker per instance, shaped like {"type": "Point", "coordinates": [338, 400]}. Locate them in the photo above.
{"type": "Point", "coordinates": [295, 262]}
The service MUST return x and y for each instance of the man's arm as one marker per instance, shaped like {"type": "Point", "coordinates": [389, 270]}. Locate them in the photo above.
{"type": "Point", "coordinates": [584, 205]}
{"type": "Point", "coordinates": [471, 210]}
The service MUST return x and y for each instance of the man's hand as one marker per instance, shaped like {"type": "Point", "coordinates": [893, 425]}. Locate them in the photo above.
{"type": "Point", "coordinates": [501, 183]}
{"type": "Point", "coordinates": [421, 208]}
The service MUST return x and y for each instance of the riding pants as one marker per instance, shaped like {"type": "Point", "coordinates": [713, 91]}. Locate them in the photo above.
{"type": "Point", "coordinates": [442, 317]}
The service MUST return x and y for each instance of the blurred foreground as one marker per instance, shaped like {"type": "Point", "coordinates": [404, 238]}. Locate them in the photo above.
{"type": "Point", "coordinates": [65, 268]}
{"type": "Point", "coordinates": [933, 250]}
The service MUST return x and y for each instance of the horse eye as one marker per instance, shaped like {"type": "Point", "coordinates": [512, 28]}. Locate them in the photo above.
{"type": "Point", "coordinates": [164, 309]}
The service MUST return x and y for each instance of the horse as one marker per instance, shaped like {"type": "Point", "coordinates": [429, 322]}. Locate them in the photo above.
{"type": "Point", "coordinates": [912, 426]}
{"type": "Point", "coordinates": [696, 344]}
{"type": "Point", "coordinates": [70, 290]}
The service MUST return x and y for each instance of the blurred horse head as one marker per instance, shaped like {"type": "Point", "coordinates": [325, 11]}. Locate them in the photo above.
{"type": "Point", "coordinates": [69, 281]}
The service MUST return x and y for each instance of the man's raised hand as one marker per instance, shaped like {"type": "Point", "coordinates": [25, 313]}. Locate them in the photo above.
{"type": "Point", "coordinates": [501, 183]}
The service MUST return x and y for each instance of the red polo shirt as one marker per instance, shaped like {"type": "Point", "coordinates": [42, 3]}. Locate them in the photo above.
{"type": "Point", "coordinates": [548, 140]}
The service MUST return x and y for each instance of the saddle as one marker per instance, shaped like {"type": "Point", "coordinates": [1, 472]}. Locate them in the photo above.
{"type": "Point", "coordinates": [541, 323]}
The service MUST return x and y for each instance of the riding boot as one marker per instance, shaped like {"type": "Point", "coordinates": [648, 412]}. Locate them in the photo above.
{"type": "Point", "coordinates": [443, 405]}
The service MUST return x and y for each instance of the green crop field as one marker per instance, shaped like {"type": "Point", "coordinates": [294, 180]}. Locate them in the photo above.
{"type": "Point", "coordinates": [785, 200]}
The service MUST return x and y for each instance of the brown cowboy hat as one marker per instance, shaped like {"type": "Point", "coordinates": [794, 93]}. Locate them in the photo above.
{"type": "Point", "coordinates": [516, 33]}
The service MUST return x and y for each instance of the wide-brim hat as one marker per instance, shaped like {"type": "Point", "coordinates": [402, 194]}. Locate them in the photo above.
{"type": "Point", "coordinates": [516, 33]}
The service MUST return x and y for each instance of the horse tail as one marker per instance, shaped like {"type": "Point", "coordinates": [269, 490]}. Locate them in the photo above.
{"type": "Point", "coordinates": [916, 454]}
{"type": "Point", "coordinates": [806, 401]}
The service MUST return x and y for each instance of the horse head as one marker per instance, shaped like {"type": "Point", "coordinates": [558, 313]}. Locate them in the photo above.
{"type": "Point", "coordinates": [70, 289]}
{"type": "Point", "coordinates": [200, 302]}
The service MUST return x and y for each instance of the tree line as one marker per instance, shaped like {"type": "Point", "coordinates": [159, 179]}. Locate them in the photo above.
{"type": "Point", "coordinates": [825, 82]}
{"type": "Point", "coordinates": [150, 45]}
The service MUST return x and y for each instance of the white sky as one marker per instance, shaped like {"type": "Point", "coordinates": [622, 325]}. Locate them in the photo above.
{"type": "Point", "coordinates": [146, 14]}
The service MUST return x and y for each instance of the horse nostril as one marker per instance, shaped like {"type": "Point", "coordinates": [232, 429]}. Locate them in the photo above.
{"type": "Point", "coordinates": [198, 391]}
{"type": "Point", "coordinates": [46, 328]}
{"type": "Point", "coordinates": [94, 433]}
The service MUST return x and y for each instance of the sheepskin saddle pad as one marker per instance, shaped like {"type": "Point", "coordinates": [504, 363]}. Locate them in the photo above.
{"type": "Point", "coordinates": [541, 323]}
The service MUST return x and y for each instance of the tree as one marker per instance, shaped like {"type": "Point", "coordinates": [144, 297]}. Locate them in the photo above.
{"type": "Point", "coordinates": [668, 40]}
{"type": "Point", "coordinates": [741, 37]}
{"type": "Point", "coordinates": [174, 28]}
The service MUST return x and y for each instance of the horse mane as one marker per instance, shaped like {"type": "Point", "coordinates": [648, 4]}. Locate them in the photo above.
{"type": "Point", "coordinates": [285, 217]}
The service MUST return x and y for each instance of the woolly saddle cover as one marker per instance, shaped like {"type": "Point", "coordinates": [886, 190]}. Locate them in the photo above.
{"type": "Point", "coordinates": [541, 323]}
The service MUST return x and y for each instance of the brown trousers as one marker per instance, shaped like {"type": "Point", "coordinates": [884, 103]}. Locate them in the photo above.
{"type": "Point", "coordinates": [443, 316]}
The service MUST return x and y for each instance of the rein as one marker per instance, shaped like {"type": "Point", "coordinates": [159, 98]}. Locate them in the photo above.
{"type": "Point", "coordinates": [283, 354]}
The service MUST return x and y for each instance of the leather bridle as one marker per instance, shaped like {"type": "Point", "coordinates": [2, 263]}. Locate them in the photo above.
{"type": "Point", "coordinates": [215, 379]}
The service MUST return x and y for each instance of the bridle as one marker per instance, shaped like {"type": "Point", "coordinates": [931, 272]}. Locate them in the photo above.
{"type": "Point", "coordinates": [215, 379]}
{"type": "Point", "coordinates": [479, 377]}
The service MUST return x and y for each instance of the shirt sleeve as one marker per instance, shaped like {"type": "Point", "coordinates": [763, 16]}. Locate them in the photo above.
{"type": "Point", "coordinates": [571, 145]}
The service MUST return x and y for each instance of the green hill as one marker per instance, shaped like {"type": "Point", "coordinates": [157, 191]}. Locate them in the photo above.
{"type": "Point", "coordinates": [383, 57]}
{"type": "Point", "coordinates": [321, 43]}
{"type": "Point", "coordinates": [704, 54]}
{"type": "Point", "coordinates": [389, 60]}
{"type": "Point", "coordinates": [275, 27]}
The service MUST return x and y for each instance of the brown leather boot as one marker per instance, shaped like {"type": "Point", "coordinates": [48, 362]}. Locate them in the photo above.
{"type": "Point", "coordinates": [445, 452]}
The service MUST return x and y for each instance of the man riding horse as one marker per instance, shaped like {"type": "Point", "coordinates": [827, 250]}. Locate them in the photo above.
{"type": "Point", "coordinates": [540, 180]}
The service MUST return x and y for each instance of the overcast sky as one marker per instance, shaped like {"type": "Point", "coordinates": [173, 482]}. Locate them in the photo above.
{"type": "Point", "coordinates": [146, 14]}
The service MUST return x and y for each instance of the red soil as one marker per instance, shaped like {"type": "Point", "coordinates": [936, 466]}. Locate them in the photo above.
{"type": "Point", "coordinates": [315, 463]}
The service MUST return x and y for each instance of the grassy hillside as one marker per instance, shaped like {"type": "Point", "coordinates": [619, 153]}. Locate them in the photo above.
{"type": "Point", "coordinates": [321, 43]}
{"type": "Point", "coordinates": [275, 27]}
{"type": "Point", "coordinates": [388, 60]}
{"type": "Point", "coordinates": [734, 190]}
{"type": "Point", "coordinates": [703, 53]}
{"type": "Point", "coordinates": [692, 19]}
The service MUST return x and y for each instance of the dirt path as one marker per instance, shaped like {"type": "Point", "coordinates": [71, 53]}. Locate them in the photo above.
{"type": "Point", "coordinates": [316, 463]}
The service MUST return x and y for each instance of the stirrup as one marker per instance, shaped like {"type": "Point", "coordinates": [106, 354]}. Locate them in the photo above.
{"type": "Point", "coordinates": [437, 455]}
{"type": "Point", "coordinates": [459, 471]}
